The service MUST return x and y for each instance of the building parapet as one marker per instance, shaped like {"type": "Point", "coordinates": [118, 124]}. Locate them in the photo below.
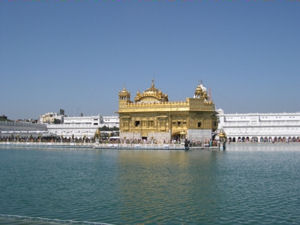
{"type": "Point", "coordinates": [71, 126]}
{"type": "Point", "coordinates": [12, 124]}
{"type": "Point", "coordinates": [165, 106]}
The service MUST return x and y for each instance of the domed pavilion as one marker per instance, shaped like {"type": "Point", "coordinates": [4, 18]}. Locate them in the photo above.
{"type": "Point", "coordinates": [153, 118]}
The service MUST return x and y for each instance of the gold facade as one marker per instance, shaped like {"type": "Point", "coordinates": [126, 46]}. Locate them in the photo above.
{"type": "Point", "coordinates": [152, 115]}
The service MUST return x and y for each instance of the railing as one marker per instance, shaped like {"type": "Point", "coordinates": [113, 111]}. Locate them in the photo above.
{"type": "Point", "coordinates": [140, 146]}
{"type": "Point", "coordinates": [145, 104]}
{"type": "Point", "coordinates": [262, 124]}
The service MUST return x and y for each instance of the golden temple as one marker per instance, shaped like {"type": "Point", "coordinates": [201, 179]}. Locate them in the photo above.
{"type": "Point", "coordinates": [153, 117]}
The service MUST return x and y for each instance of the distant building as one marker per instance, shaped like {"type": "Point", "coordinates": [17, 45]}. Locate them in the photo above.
{"type": "Point", "coordinates": [22, 129]}
{"type": "Point", "coordinates": [27, 120]}
{"type": "Point", "coordinates": [110, 121]}
{"type": "Point", "coordinates": [82, 126]}
{"type": "Point", "coordinates": [76, 127]}
{"type": "Point", "coordinates": [260, 127]}
{"type": "Point", "coordinates": [51, 118]}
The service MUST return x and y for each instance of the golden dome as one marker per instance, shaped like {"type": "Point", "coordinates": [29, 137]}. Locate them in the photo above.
{"type": "Point", "coordinates": [124, 92]}
{"type": "Point", "coordinates": [152, 94]}
{"type": "Point", "coordinates": [222, 134]}
{"type": "Point", "coordinates": [124, 95]}
{"type": "Point", "coordinates": [201, 92]}
{"type": "Point", "coordinates": [198, 91]}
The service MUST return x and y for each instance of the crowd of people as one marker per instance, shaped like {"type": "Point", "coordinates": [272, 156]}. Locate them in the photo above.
{"type": "Point", "coordinates": [112, 140]}
{"type": "Point", "coordinates": [264, 139]}
{"type": "Point", "coordinates": [50, 139]}
{"type": "Point", "coordinates": [117, 140]}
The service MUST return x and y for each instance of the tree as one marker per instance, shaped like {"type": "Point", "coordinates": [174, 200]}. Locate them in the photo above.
{"type": "Point", "coordinates": [56, 121]}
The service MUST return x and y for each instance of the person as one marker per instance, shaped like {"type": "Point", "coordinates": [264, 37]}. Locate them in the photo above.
{"type": "Point", "coordinates": [186, 144]}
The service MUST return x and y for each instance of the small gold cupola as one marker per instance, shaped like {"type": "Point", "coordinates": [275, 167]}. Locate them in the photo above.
{"type": "Point", "coordinates": [201, 92]}
{"type": "Point", "coordinates": [124, 95]}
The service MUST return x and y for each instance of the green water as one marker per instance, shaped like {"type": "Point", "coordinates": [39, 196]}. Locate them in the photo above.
{"type": "Point", "coordinates": [69, 186]}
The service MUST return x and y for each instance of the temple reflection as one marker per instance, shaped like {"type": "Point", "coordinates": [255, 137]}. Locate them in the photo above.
{"type": "Point", "coordinates": [149, 178]}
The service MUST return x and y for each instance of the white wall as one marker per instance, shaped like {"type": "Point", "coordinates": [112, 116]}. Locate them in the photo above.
{"type": "Point", "coordinates": [260, 124]}
{"type": "Point", "coordinates": [77, 127]}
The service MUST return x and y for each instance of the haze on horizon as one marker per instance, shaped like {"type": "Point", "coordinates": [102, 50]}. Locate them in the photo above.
{"type": "Point", "coordinates": [77, 55]}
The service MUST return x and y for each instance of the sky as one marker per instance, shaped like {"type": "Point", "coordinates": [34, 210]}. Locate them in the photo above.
{"type": "Point", "coordinates": [77, 54]}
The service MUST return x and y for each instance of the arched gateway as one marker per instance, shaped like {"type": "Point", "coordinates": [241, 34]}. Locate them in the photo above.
{"type": "Point", "coordinates": [152, 118]}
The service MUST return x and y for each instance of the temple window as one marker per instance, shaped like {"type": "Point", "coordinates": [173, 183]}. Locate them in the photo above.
{"type": "Point", "coordinates": [137, 123]}
{"type": "Point", "coordinates": [199, 124]}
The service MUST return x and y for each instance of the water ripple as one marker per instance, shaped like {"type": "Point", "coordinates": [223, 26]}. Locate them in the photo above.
{"type": "Point", "coordinates": [149, 187]}
{"type": "Point", "coordinates": [17, 219]}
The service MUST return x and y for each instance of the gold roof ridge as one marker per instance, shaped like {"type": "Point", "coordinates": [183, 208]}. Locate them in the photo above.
{"type": "Point", "coordinates": [152, 92]}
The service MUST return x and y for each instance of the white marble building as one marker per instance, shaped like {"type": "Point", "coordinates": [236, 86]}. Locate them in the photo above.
{"type": "Point", "coordinates": [82, 126]}
{"type": "Point", "coordinates": [260, 126]}
{"type": "Point", "coordinates": [22, 129]}
{"type": "Point", "coordinates": [77, 127]}
{"type": "Point", "coordinates": [110, 121]}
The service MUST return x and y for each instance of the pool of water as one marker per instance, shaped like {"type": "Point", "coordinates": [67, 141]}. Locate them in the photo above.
{"type": "Point", "coordinates": [73, 186]}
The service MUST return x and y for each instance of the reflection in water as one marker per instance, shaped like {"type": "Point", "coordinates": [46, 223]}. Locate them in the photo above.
{"type": "Point", "coordinates": [155, 185]}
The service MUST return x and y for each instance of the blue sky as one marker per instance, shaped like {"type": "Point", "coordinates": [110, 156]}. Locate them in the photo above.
{"type": "Point", "coordinates": [77, 54]}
